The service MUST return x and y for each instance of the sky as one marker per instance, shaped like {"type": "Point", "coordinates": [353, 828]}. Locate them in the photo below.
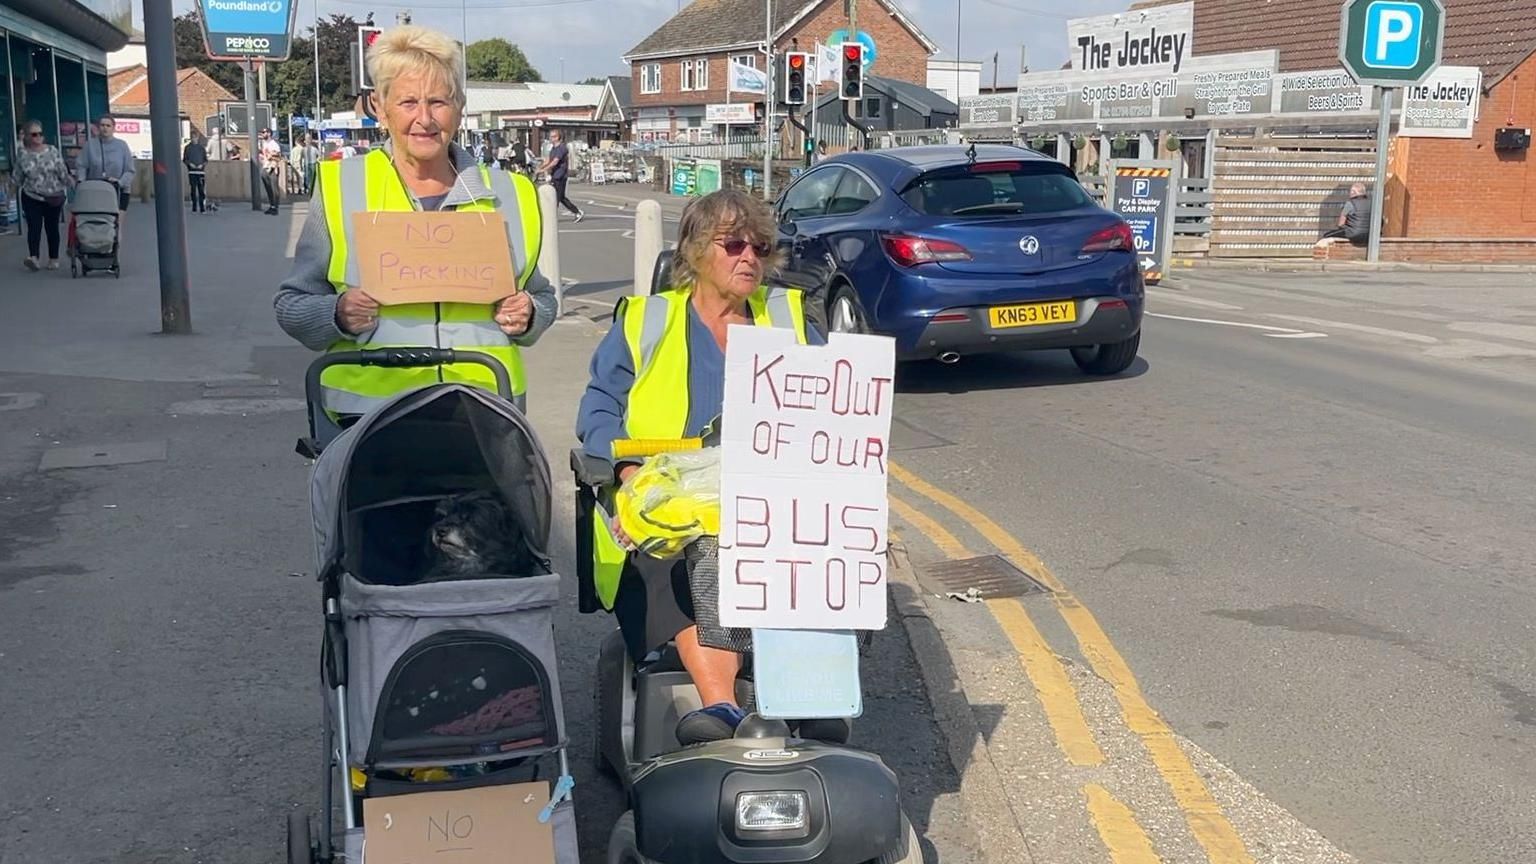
{"type": "Point", "coordinates": [587, 38]}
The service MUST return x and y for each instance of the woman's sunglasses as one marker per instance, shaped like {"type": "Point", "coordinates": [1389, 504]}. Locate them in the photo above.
{"type": "Point", "coordinates": [735, 247]}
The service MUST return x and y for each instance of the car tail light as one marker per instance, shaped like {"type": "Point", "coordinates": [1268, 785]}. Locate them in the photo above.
{"type": "Point", "coordinates": [951, 318]}
{"type": "Point", "coordinates": [1116, 237]}
{"type": "Point", "coordinates": [909, 251]}
{"type": "Point", "coordinates": [1112, 304]}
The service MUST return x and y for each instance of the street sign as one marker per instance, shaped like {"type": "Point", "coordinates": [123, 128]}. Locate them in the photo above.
{"type": "Point", "coordinates": [1391, 43]}
{"type": "Point", "coordinates": [1142, 192]}
{"type": "Point", "coordinates": [247, 29]}
{"type": "Point", "coordinates": [237, 117]}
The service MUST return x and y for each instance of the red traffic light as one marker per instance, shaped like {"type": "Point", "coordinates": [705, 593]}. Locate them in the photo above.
{"type": "Point", "coordinates": [796, 61]}
{"type": "Point", "coordinates": [853, 52]}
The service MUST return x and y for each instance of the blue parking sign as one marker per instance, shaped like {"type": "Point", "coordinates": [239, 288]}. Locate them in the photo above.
{"type": "Point", "coordinates": [1141, 187]}
{"type": "Point", "coordinates": [1392, 34]}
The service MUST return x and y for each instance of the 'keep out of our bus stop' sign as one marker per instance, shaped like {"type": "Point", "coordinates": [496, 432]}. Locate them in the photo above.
{"type": "Point", "coordinates": [1141, 192]}
{"type": "Point", "coordinates": [247, 29]}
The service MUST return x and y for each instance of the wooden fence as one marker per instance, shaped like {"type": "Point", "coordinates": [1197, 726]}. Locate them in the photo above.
{"type": "Point", "coordinates": [1273, 197]}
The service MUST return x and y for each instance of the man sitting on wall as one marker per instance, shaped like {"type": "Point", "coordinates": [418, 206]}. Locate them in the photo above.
{"type": "Point", "coordinates": [1355, 217]}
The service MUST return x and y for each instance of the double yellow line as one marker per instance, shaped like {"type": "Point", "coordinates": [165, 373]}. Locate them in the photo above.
{"type": "Point", "coordinates": [1116, 823]}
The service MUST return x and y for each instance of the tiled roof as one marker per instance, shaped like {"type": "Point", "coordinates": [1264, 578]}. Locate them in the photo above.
{"type": "Point", "coordinates": [1494, 34]}
{"type": "Point", "coordinates": [130, 85]}
{"type": "Point", "coordinates": [623, 90]}
{"type": "Point", "coordinates": [721, 23]}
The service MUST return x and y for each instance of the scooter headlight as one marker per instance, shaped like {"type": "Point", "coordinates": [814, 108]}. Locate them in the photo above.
{"type": "Point", "coordinates": [772, 811]}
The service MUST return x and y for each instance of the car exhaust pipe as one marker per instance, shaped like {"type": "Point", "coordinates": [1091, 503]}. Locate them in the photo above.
{"type": "Point", "coordinates": [949, 358]}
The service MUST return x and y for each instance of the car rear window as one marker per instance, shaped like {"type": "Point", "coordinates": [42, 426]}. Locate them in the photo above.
{"type": "Point", "coordinates": [985, 191]}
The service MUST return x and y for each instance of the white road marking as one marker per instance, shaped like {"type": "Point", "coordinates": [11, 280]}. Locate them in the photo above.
{"type": "Point", "coordinates": [1518, 332]}
{"type": "Point", "coordinates": [1178, 297]}
{"type": "Point", "coordinates": [564, 231]}
{"type": "Point", "coordinates": [1358, 328]}
{"type": "Point", "coordinates": [1275, 332]}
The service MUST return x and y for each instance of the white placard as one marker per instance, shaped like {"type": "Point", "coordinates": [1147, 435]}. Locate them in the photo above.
{"type": "Point", "coordinates": [805, 450]}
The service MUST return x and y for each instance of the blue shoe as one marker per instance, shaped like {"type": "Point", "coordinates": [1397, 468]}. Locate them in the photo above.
{"type": "Point", "coordinates": [717, 722]}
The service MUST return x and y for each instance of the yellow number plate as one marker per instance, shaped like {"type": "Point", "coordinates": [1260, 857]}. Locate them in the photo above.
{"type": "Point", "coordinates": [1032, 314]}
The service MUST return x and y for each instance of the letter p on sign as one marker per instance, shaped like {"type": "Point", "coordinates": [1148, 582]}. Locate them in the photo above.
{"type": "Point", "coordinates": [1392, 34]}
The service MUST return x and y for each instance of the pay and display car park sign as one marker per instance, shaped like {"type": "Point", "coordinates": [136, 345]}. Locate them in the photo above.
{"type": "Point", "coordinates": [247, 29]}
{"type": "Point", "coordinates": [1391, 43]}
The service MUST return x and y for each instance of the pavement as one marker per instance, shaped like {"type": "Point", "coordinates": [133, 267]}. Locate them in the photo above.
{"type": "Point", "coordinates": [1273, 584]}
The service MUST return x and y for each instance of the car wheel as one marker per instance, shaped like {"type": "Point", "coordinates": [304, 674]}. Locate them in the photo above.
{"type": "Point", "coordinates": [1110, 358]}
{"type": "Point", "coordinates": [843, 314]}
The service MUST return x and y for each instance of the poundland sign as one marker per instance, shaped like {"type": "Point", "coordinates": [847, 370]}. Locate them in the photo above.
{"type": "Point", "coordinates": [1139, 41]}
{"type": "Point", "coordinates": [247, 29]}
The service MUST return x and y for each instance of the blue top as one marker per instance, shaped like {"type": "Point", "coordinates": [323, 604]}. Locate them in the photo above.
{"type": "Point", "coordinates": [562, 155]}
{"type": "Point", "coordinates": [600, 417]}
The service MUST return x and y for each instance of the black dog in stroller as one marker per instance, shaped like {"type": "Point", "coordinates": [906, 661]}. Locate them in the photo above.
{"type": "Point", "coordinates": [432, 518]}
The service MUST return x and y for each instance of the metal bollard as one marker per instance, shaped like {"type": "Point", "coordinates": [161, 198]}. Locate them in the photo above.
{"type": "Point", "coordinates": [549, 246]}
{"type": "Point", "coordinates": [648, 244]}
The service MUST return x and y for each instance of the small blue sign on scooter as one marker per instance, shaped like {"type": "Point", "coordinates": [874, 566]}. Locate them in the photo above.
{"type": "Point", "coordinates": [247, 29]}
{"type": "Point", "coordinates": [807, 674]}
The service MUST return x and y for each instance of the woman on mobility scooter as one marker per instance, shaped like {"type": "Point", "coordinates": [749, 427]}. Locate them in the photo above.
{"type": "Point", "coordinates": [660, 373]}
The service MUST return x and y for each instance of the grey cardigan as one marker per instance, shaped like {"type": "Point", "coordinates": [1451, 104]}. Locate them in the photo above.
{"type": "Point", "coordinates": [306, 300]}
{"type": "Point", "coordinates": [107, 160]}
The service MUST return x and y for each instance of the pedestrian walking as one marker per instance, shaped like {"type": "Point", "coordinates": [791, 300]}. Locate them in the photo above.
{"type": "Point", "coordinates": [559, 167]}
{"type": "Point", "coordinates": [269, 156]}
{"type": "Point", "coordinates": [43, 180]}
{"type": "Point", "coordinates": [107, 157]}
{"type": "Point", "coordinates": [195, 157]}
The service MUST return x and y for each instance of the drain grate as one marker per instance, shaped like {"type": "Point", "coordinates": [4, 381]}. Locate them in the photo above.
{"type": "Point", "coordinates": [992, 576]}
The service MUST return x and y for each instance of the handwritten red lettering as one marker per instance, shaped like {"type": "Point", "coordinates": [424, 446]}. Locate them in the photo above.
{"type": "Point", "coordinates": [874, 448]}
{"type": "Point", "coordinates": [841, 582]}
{"type": "Point", "coordinates": [824, 519]}
{"type": "Point", "coordinates": [743, 581]}
{"type": "Point", "coordinates": [751, 520]}
{"type": "Point", "coordinates": [762, 373]}
{"type": "Point", "coordinates": [794, 579]}
{"type": "Point", "coordinates": [871, 574]}
{"type": "Point", "coordinates": [852, 521]}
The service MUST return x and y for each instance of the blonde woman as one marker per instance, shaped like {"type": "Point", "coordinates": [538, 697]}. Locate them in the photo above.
{"type": "Point", "coordinates": [43, 180]}
{"type": "Point", "coordinates": [419, 98]}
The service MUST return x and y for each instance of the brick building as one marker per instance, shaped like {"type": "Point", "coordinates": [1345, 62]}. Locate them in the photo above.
{"type": "Point", "coordinates": [197, 95]}
{"type": "Point", "coordinates": [1451, 198]}
{"type": "Point", "coordinates": [682, 66]}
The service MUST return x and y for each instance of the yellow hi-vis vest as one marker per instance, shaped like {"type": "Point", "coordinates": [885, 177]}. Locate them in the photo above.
{"type": "Point", "coordinates": [656, 331]}
{"type": "Point", "coordinates": [369, 184]}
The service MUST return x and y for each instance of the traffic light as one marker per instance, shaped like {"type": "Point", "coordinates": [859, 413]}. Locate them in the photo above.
{"type": "Point", "coordinates": [795, 64]}
{"type": "Point", "coordinates": [853, 70]}
{"type": "Point", "coordinates": [366, 36]}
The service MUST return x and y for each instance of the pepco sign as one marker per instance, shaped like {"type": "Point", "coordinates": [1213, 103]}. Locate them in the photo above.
{"type": "Point", "coordinates": [247, 29]}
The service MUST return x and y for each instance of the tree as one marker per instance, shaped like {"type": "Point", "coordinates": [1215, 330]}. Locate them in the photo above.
{"type": "Point", "coordinates": [498, 60]}
{"type": "Point", "coordinates": [593, 80]}
{"type": "Point", "coordinates": [291, 83]}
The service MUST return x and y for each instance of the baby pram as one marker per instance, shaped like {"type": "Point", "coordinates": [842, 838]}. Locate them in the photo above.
{"type": "Point", "coordinates": [92, 242]}
{"type": "Point", "coordinates": [445, 685]}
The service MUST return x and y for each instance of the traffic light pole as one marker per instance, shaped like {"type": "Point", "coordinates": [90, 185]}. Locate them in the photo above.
{"type": "Point", "coordinates": [809, 142]}
{"type": "Point", "coordinates": [250, 133]}
{"type": "Point", "coordinates": [848, 118]}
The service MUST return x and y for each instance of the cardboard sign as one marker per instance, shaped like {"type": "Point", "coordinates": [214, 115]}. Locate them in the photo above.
{"type": "Point", "coordinates": [491, 825]}
{"type": "Point", "coordinates": [805, 449]}
{"type": "Point", "coordinates": [433, 257]}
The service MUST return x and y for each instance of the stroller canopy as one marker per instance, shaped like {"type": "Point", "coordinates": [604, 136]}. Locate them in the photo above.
{"type": "Point", "coordinates": [95, 196]}
{"type": "Point", "coordinates": [437, 441]}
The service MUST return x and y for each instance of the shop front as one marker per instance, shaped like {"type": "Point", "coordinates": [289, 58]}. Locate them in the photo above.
{"type": "Point", "coordinates": [53, 56]}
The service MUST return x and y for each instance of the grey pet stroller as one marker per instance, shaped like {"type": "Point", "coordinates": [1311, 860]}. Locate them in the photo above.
{"type": "Point", "coordinates": [93, 229]}
{"type": "Point", "coordinates": [439, 685]}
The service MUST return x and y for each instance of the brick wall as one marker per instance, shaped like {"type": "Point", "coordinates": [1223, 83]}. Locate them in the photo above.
{"type": "Point", "coordinates": [198, 97]}
{"type": "Point", "coordinates": [1460, 188]}
{"type": "Point", "coordinates": [900, 56]}
{"type": "Point", "coordinates": [1515, 250]}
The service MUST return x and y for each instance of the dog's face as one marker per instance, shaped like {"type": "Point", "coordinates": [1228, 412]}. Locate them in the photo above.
{"type": "Point", "coordinates": [471, 528]}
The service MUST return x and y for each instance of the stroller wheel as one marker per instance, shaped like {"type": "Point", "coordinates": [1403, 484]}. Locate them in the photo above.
{"type": "Point", "coordinates": [300, 851]}
{"type": "Point", "coordinates": [74, 269]}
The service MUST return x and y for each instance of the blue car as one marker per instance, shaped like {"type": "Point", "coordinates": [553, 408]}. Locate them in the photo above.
{"type": "Point", "coordinates": [956, 251]}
